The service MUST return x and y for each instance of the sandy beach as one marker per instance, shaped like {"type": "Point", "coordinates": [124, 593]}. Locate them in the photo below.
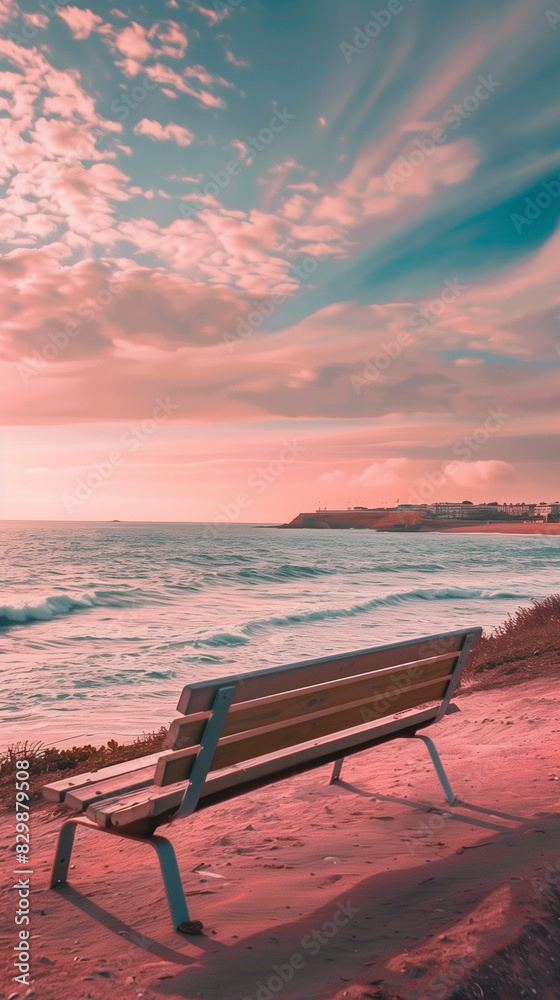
{"type": "Point", "coordinates": [419, 893]}
{"type": "Point", "coordinates": [524, 528]}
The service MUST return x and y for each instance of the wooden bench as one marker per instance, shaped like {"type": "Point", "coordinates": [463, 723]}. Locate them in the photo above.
{"type": "Point", "coordinates": [242, 732]}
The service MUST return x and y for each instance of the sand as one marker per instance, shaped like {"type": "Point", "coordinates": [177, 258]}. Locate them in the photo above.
{"type": "Point", "coordinates": [422, 892]}
{"type": "Point", "coordinates": [528, 528]}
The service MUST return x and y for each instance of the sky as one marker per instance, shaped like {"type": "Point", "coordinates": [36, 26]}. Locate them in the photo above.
{"type": "Point", "coordinates": [266, 255]}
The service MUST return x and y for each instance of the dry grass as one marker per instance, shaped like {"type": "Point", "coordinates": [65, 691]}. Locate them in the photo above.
{"type": "Point", "coordinates": [50, 763]}
{"type": "Point", "coordinates": [526, 645]}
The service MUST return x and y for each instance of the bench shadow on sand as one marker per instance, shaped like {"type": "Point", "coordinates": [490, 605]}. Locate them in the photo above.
{"type": "Point", "coordinates": [395, 910]}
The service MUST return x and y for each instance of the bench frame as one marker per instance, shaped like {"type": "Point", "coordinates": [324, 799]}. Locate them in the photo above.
{"type": "Point", "coordinates": [202, 764]}
{"type": "Point", "coordinates": [163, 847]}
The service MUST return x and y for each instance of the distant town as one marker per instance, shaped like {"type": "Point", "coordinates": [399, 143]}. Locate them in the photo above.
{"type": "Point", "coordinates": [480, 511]}
{"type": "Point", "coordinates": [430, 516]}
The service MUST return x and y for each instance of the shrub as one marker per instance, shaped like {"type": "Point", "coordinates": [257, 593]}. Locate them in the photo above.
{"type": "Point", "coordinates": [529, 632]}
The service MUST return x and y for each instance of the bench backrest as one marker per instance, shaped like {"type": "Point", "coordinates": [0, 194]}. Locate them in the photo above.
{"type": "Point", "coordinates": [279, 708]}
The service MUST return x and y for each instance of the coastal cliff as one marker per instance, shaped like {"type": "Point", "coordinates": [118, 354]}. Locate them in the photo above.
{"type": "Point", "coordinates": [411, 520]}
{"type": "Point", "coordinates": [380, 520]}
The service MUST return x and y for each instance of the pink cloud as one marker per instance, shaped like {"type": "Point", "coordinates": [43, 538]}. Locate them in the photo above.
{"type": "Point", "coordinates": [158, 132]}
{"type": "Point", "coordinates": [444, 165]}
{"type": "Point", "coordinates": [37, 74]}
{"type": "Point", "coordinates": [364, 194]}
{"type": "Point", "coordinates": [253, 251]}
{"type": "Point", "coordinates": [120, 310]}
{"type": "Point", "coordinates": [37, 20]}
{"type": "Point", "coordinates": [234, 60]}
{"type": "Point", "coordinates": [244, 152]}
{"type": "Point", "coordinates": [471, 474]}
{"type": "Point", "coordinates": [82, 199]}
{"type": "Point", "coordinates": [137, 45]}
{"type": "Point", "coordinates": [378, 474]}
{"type": "Point", "coordinates": [332, 477]}
{"type": "Point", "coordinates": [203, 76]}
{"type": "Point", "coordinates": [8, 10]}
{"type": "Point", "coordinates": [159, 330]}
{"type": "Point", "coordinates": [172, 39]}
{"type": "Point", "coordinates": [211, 16]}
{"type": "Point", "coordinates": [132, 42]}
{"type": "Point", "coordinates": [51, 126]}
{"type": "Point", "coordinates": [166, 76]}
{"type": "Point", "coordinates": [80, 20]}
{"type": "Point", "coordinates": [66, 140]}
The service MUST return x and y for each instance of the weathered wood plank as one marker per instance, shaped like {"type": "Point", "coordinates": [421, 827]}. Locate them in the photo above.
{"type": "Point", "coordinates": [288, 705]}
{"type": "Point", "coordinates": [199, 697]}
{"type": "Point", "coordinates": [124, 810]}
{"type": "Point", "coordinates": [80, 798]}
{"type": "Point", "coordinates": [56, 790]}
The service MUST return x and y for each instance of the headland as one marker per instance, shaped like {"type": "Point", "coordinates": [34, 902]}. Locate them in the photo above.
{"type": "Point", "coordinates": [519, 519]}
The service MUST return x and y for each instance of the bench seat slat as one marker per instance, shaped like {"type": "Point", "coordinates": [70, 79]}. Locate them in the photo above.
{"type": "Point", "coordinates": [57, 790]}
{"type": "Point", "coordinates": [152, 802]}
{"type": "Point", "coordinates": [80, 798]}
{"type": "Point", "coordinates": [290, 705]}
{"type": "Point", "coordinates": [199, 697]}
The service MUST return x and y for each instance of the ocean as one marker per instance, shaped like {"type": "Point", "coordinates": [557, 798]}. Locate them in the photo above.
{"type": "Point", "coordinates": [101, 624]}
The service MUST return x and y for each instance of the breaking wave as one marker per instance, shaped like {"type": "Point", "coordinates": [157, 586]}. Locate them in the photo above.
{"type": "Point", "coordinates": [324, 614]}
{"type": "Point", "coordinates": [64, 604]}
{"type": "Point", "coordinates": [45, 610]}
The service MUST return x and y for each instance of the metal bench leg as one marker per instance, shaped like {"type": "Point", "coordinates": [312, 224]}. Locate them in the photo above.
{"type": "Point", "coordinates": [63, 853]}
{"type": "Point", "coordinates": [336, 770]}
{"type": "Point", "coordinates": [162, 846]}
{"type": "Point", "coordinates": [440, 771]}
{"type": "Point", "coordinates": [171, 879]}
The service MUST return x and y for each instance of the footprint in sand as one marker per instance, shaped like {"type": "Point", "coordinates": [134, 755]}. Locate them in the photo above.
{"type": "Point", "coordinates": [329, 880]}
